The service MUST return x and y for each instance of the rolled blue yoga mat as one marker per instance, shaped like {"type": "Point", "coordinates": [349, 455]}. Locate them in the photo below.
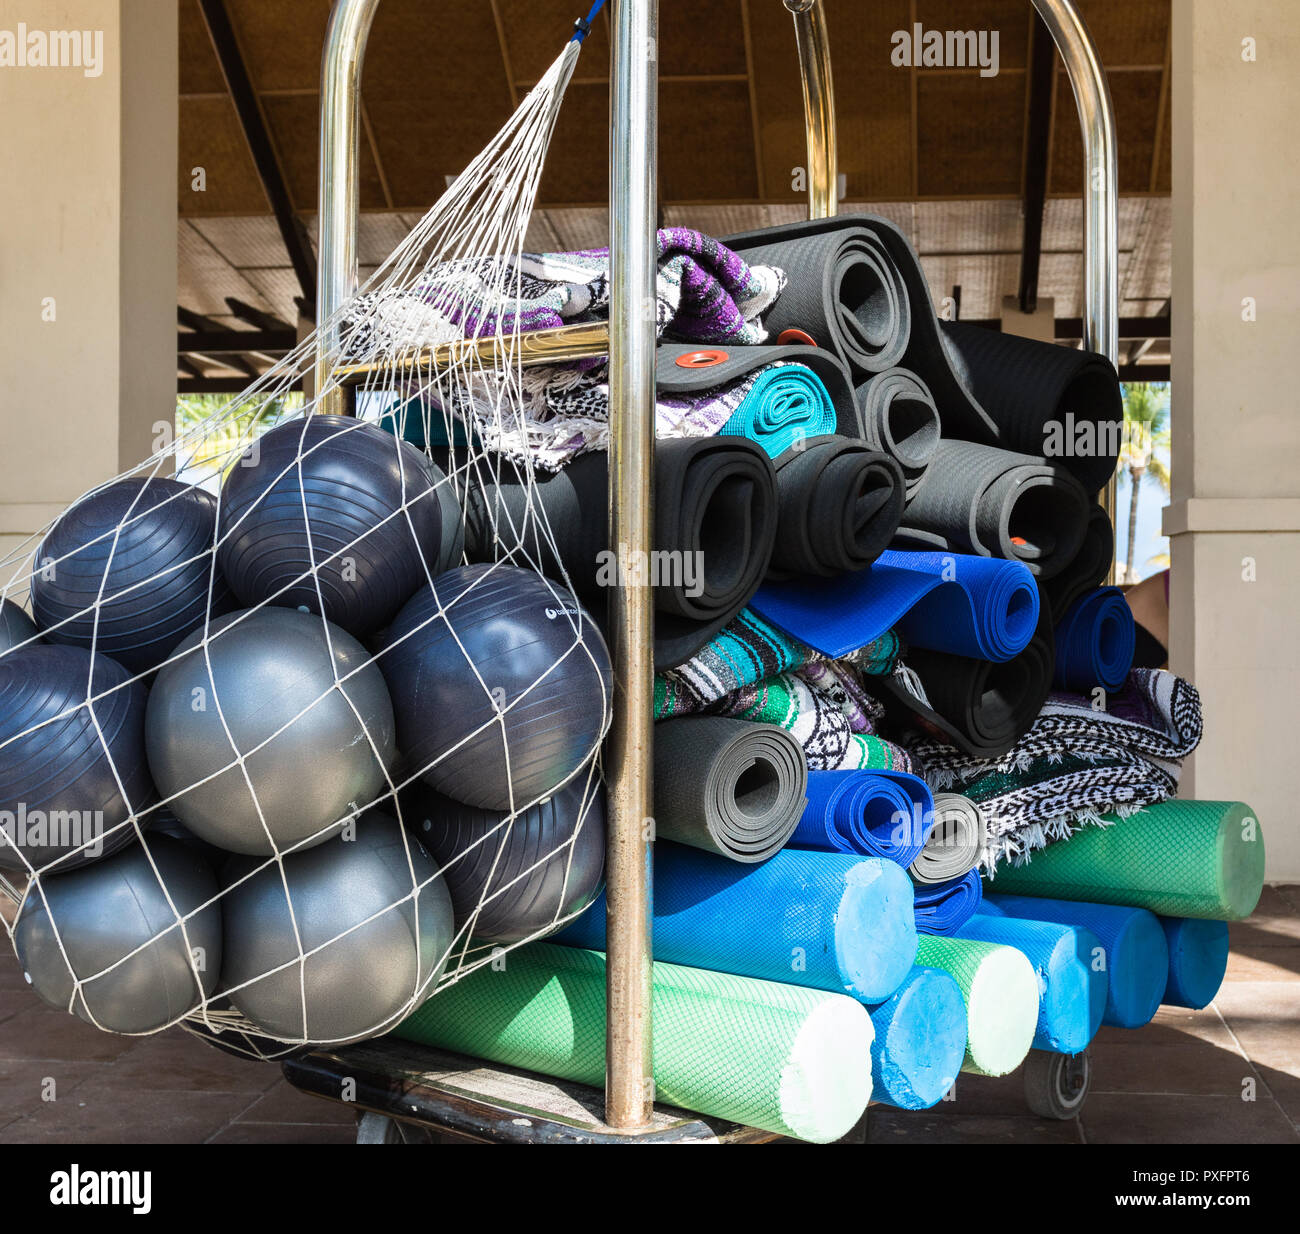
{"type": "Point", "coordinates": [920, 1040]}
{"type": "Point", "coordinates": [786, 405]}
{"type": "Point", "coordinates": [1095, 642]}
{"type": "Point", "coordinates": [1072, 984]}
{"type": "Point", "coordinates": [1135, 952]}
{"type": "Point", "coordinates": [870, 813]}
{"type": "Point", "coordinates": [979, 607]}
{"type": "Point", "coordinates": [1198, 959]}
{"type": "Point", "coordinates": [944, 908]}
{"type": "Point", "coordinates": [821, 920]}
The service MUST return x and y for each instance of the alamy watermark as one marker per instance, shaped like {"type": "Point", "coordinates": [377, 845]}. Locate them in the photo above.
{"type": "Point", "coordinates": [52, 49]}
{"type": "Point", "coordinates": [946, 49]}
{"type": "Point", "coordinates": [657, 568]}
{"type": "Point", "coordinates": [74, 830]}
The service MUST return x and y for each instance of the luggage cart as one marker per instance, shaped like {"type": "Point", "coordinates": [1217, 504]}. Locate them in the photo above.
{"type": "Point", "coordinates": [406, 1093]}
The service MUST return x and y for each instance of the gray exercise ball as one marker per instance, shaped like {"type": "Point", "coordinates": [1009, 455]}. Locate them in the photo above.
{"type": "Point", "coordinates": [359, 984]}
{"type": "Point", "coordinates": [104, 912]}
{"type": "Point", "coordinates": [309, 772]}
{"type": "Point", "coordinates": [16, 627]}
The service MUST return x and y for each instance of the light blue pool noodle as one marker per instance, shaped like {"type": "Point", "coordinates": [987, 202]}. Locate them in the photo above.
{"type": "Point", "coordinates": [920, 1040]}
{"type": "Point", "coordinates": [1135, 952]}
{"type": "Point", "coordinates": [828, 921]}
{"type": "Point", "coordinates": [1071, 988]}
{"type": "Point", "coordinates": [1198, 959]}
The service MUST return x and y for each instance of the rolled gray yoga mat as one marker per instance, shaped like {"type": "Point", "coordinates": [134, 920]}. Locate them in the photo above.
{"type": "Point", "coordinates": [991, 502]}
{"type": "Point", "coordinates": [955, 843]}
{"type": "Point", "coordinates": [727, 786]}
{"type": "Point", "coordinates": [843, 289]}
{"type": "Point", "coordinates": [897, 415]}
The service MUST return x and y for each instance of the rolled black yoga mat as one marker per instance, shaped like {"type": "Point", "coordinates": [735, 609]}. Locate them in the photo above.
{"type": "Point", "coordinates": [989, 387]}
{"type": "Point", "coordinates": [715, 525]}
{"type": "Point", "coordinates": [897, 415]}
{"type": "Point", "coordinates": [980, 707]}
{"type": "Point", "coordinates": [1044, 399]}
{"type": "Point", "coordinates": [979, 499]}
{"type": "Point", "coordinates": [726, 786]}
{"type": "Point", "coordinates": [840, 502]}
{"type": "Point", "coordinates": [843, 289]}
{"type": "Point", "coordinates": [1087, 569]}
{"type": "Point", "coordinates": [683, 369]}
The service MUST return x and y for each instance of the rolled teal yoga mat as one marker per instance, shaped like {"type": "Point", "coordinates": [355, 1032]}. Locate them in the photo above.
{"type": "Point", "coordinates": [1136, 954]}
{"type": "Point", "coordinates": [788, 1060]}
{"type": "Point", "coordinates": [1198, 959]}
{"type": "Point", "coordinates": [1072, 982]}
{"type": "Point", "coordinates": [784, 406]}
{"type": "Point", "coordinates": [920, 1040]}
{"type": "Point", "coordinates": [821, 920]}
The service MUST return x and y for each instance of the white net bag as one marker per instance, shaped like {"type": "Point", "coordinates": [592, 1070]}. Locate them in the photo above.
{"type": "Point", "coordinates": [277, 760]}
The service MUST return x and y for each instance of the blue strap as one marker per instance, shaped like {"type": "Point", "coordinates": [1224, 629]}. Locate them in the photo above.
{"type": "Point", "coordinates": [582, 27]}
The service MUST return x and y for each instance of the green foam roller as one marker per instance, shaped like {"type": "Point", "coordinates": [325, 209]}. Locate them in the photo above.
{"type": "Point", "coordinates": [1000, 989]}
{"type": "Point", "coordinates": [1178, 859]}
{"type": "Point", "coordinates": [786, 1059]}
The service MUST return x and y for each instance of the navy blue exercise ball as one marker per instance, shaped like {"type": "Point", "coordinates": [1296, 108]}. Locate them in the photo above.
{"type": "Point", "coordinates": [16, 628]}
{"type": "Point", "coordinates": [358, 502]}
{"type": "Point", "coordinates": [522, 875]}
{"type": "Point", "coordinates": [59, 798]}
{"type": "Point", "coordinates": [156, 572]}
{"type": "Point", "coordinates": [500, 680]}
{"type": "Point", "coordinates": [118, 923]}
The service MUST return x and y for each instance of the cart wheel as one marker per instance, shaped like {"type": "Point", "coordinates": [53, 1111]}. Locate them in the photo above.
{"type": "Point", "coordinates": [1056, 1085]}
{"type": "Point", "coordinates": [375, 1128]}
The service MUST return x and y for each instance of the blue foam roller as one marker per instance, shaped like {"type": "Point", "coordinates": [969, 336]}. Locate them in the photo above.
{"type": "Point", "coordinates": [869, 813]}
{"type": "Point", "coordinates": [1198, 958]}
{"type": "Point", "coordinates": [920, 1040]}
{"type": "Point", "coordinates": [1071, 987]}
{"type": "Point", "coordinates": [943, 908]}
{"type": "Point", "coordinates": [1136, 955]}
{"type": "Point", "coordinates": [822, 920]}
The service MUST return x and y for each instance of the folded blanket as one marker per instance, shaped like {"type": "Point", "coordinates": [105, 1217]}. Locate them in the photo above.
{"type": "Point", "coordinates": [705, 293]}
{"type": "Point", "coordinates": [1075, 764]}
{"type": "Point", "coordinates": [822, 708]}
{"type": "Point", "coordinates": [747, 651]}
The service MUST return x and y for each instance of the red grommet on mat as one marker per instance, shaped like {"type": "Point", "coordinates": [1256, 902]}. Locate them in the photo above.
{"type": "Point", "coordinates": [701, 359]}
{"type": "Point", "coordinates": [795, 338]}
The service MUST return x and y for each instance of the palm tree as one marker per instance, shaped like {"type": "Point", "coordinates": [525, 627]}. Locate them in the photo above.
{"type": "Point", "coordinates": [1146, 427]}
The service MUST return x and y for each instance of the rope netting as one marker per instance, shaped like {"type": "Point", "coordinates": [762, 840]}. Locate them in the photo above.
{"type": "Point", "coordinates": [277, 762]}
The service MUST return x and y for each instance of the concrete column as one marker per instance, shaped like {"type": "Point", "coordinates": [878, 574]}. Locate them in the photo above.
{"type": "Point", "coordinates": [88, 247]}
{"type": "Point", "coordinates": [1234, 520]}
{"type": "Point", "coordinates": [1040, 324]}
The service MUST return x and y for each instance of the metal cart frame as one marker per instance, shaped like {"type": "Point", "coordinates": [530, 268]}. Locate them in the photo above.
{"type": "Point", "coordinates": [442, 1094]}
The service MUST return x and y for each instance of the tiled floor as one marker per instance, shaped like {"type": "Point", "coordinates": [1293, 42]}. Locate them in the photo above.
{"type": "Point", "coordinates": [1185, 1078]}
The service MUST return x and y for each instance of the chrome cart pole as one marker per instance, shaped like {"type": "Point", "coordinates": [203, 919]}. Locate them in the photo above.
{"type": "Point", "coordinates": [818, 105]}
{"type": "Point", "coordinates": [629, 765]}
{"type": "Point", "coordinates": [1100, 186]}
{"type": "Point", "coordinates": [339, 186]}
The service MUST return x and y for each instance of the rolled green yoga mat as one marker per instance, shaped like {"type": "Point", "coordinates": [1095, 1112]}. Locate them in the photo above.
{"type": "Point", "coordinates": [730, 787]}
{"type": "Point", "coordinates": [1177, 858]}
{"type": "Point", "coordinates": [1198, 960]}
{"type": "Point", "coordinates": [787, 1060]}
{"type": "Point", "coordinates": [1000, 989]}
{"type": "Point", "coordinates": [920, 1040]}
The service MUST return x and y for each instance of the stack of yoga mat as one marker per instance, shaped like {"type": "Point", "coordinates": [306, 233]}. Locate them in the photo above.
{"type": "Point", "coordinates": [887, 555]}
